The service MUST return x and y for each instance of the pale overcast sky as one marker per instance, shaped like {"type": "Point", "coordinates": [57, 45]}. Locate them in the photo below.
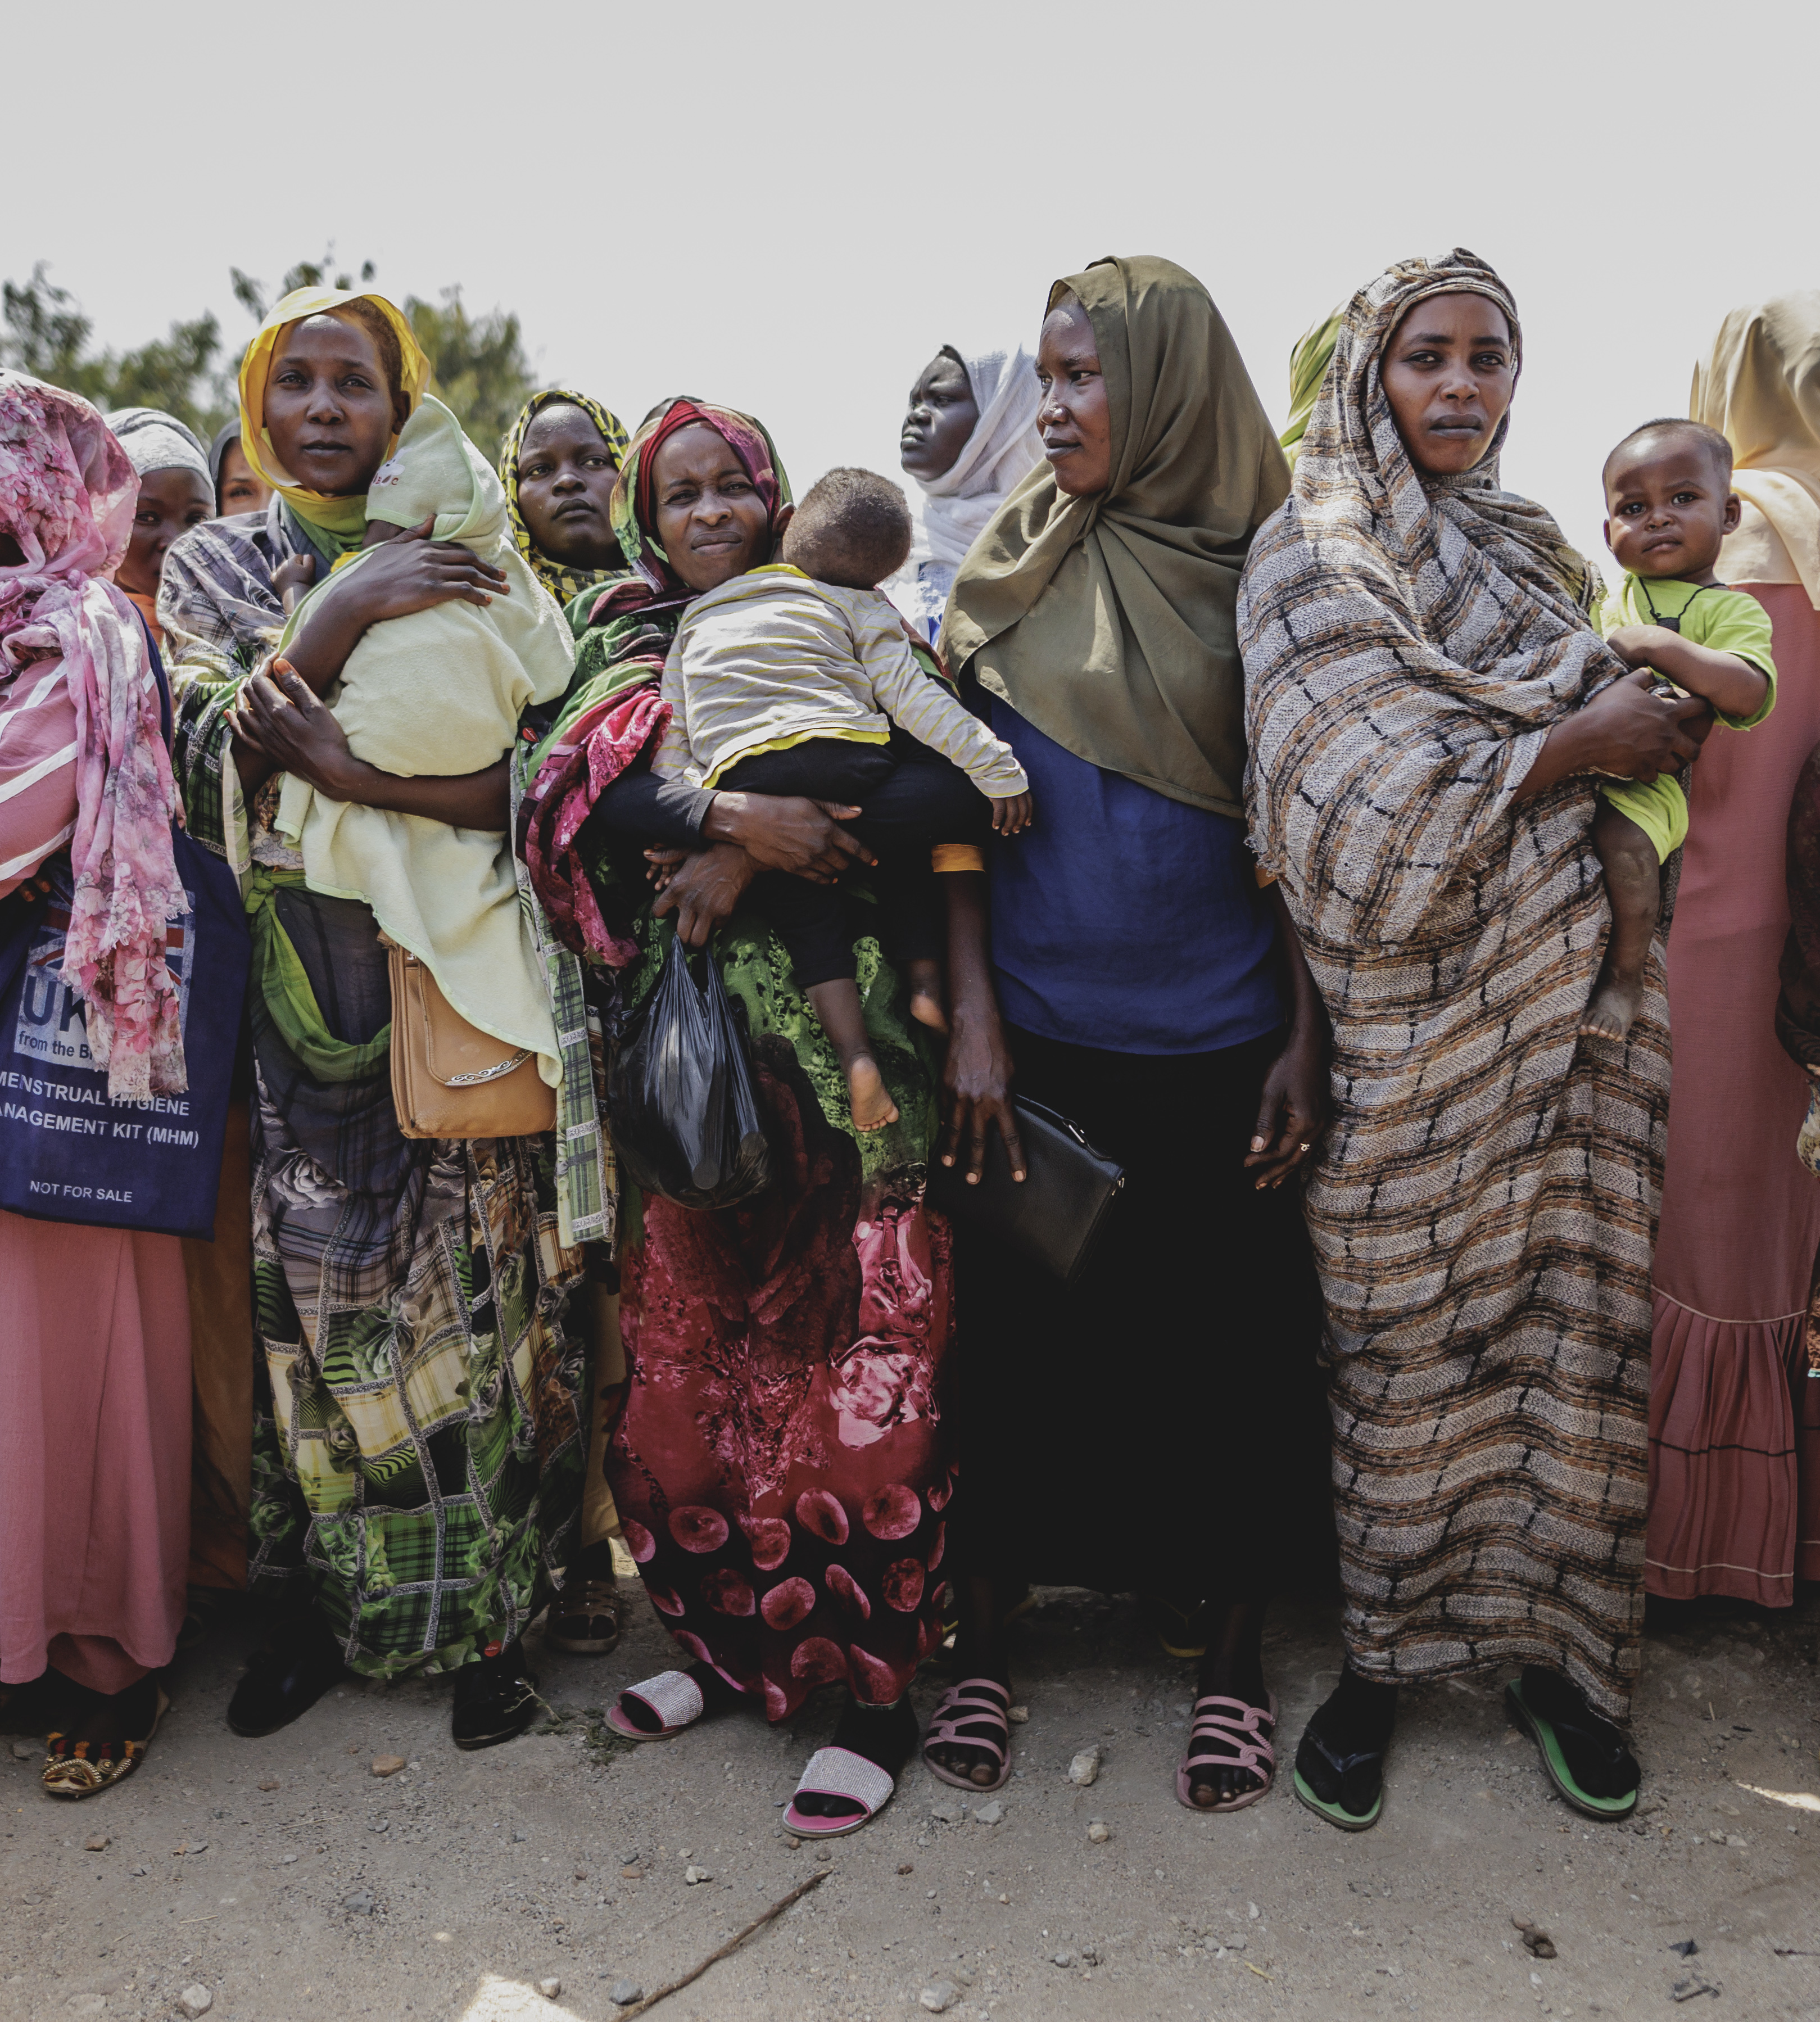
{"type": "Point", "coordinates": [788, 207]}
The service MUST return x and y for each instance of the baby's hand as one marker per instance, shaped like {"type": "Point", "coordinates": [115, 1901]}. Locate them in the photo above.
{"type": "Point", "coordinates": [1011, 817]}
{"type": "Point", "coordinates": [290, 579]}
{"type": "Point", "coordinates": [1634, 643]}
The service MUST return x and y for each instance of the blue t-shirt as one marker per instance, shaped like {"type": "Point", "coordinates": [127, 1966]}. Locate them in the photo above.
{"type": "Point", "coordinates": [1125, 920]}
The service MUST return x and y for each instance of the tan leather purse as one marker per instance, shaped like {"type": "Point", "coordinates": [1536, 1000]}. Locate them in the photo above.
{"type": "Point", "coordinates": [448, 1078]}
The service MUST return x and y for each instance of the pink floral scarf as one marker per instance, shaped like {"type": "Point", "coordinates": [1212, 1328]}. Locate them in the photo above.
{"type": "Point", "coordinates": [67, 495]}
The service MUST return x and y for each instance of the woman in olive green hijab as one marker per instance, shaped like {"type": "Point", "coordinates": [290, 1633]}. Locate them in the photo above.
{"type": "Point", "coordinates": [1154, 994]}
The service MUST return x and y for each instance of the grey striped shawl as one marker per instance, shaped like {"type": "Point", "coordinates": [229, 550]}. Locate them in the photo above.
{"type": "Point", "coordinates": [1484, 1208]}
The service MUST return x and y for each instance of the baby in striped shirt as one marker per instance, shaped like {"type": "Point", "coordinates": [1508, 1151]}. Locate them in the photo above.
{"type": "Point", "coordinates": [797, 678]}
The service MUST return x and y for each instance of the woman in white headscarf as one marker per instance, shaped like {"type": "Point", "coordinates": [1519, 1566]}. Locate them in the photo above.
{"type": "Point", "coordinates": [968, 437]}
{"type": "Point", "coordinates": [176, 492]}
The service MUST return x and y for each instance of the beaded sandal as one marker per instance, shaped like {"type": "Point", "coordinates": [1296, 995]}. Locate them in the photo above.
{"type": "Point", "coordinates": [80, 1768]}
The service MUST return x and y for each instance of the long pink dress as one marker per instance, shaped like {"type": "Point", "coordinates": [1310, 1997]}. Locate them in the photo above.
{"type": "Point", "coordinates": [1741, 1215]}
{"type": "Point", "coordinates": [94, 1451]}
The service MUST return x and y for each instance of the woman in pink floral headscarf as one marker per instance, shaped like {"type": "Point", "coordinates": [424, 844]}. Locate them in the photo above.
{"type": "Point", "coordinates": [94, 1354]}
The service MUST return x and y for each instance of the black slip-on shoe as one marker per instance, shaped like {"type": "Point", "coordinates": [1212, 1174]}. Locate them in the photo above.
{"type": "Point", "coordinates": [495, 1699]}
{"type": "Point", "coordinates": [284, 1677]}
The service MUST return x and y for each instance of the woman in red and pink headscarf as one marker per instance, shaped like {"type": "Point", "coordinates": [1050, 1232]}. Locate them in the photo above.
{"type": "Point", "coordinates": [94, 1356]}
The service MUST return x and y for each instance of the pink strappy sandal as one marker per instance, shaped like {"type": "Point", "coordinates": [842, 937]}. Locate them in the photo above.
{"type": "Point", "coordinates": [1218, 1741]}
{"type": "Point", "coordinates": [838, 1772]}
{"type": "Point", "coordinates": [673, 1697]}
{"type": "Point", "coordinates": [961, 1706]}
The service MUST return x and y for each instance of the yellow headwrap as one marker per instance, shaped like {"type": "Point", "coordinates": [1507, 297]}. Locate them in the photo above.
{"type": "Point", "coordinates": [344, 519]}
{"type": "Point", "coordinates": [1308, 363]}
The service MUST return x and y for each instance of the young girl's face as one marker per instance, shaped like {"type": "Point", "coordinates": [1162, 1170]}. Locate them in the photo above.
{"type": "Point", "coordinates": [241, 491]}
{"type": "Point", "coordinates": [1449, 370]}
{"type": "Point", "coordinates": [329, 412]}
{"type": "Point", "coordinates": [710, 520]}
{"type": "Point", "coordinates": [170, 503]}
{"type": "Point", "coordinates": [565, 473]}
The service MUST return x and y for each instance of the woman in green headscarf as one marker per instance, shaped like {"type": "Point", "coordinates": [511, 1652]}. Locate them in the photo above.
{"type": "Point", "coordinates": [1154, 994]}
{"type": "Point", "coordinates": [417, 1454]}
{"type": "Point", "coordinates": [558, 465]}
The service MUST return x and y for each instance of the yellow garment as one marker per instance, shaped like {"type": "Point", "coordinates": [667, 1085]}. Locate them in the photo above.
{"type": "Point", "coordinates": [441, 691]}
{"type": "Point", "coordinates": [338, 515]}
{"type": "Point", "coordinates": [1728, 621]}
{"type": "Point", "coordinates": [1761, 389]}
{"type": "Point", "coordinates": [1308, 363]}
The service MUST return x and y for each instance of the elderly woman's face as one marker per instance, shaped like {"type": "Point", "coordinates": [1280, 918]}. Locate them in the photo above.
{"type": "Point", "coordinates": [942, 414]}
{"type": "Point", "coordinates": [566, 474]}
{"type": "Point", "coordinates": [329, 412]}
{"type": "Point", "coordinates": [1074, 420]}
{"type": "Point", "coordinates": [1449, 370]}
{"type": "Point", "coordinates": [711, 521]}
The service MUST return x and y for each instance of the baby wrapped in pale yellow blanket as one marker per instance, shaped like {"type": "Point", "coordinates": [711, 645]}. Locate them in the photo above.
{"type": "Point", "coordinates": [440, 691]}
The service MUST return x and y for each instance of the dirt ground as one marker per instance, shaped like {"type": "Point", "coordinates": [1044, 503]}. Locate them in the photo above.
{"type": "Point", "coordinates": [291, 1882]}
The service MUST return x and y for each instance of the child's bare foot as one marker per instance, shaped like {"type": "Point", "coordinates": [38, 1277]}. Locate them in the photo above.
{"type": "Point", "coordinates": [1616, 1000]}
{"type": "Point", "coordinates": [925, 987]}
{"type": "Point", "coordinates": [873, 1107]}
{"type": "Point", "coordinates": [837, 1004]}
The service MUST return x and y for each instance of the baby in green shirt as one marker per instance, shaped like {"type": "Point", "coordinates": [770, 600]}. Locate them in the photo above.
{"type": "Point", "coordinates": [1668, 504]}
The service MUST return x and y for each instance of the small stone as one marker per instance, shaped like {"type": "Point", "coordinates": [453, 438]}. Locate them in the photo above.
{"type": "Point", "coordinates": [26, 1751]}
{"type": "Point", "coordinates": [1064, 1958]}
{"type": "Point", "coordinates": [691, 1875]}
{"type": "Point", "coordinates": [939, 1996]}
{"type": "Point", "coordinates": [140, 1870]}
{"type": "Point", "coordinates": [1086, 1766]}
{"type": "Point", "coordinates": [270, 1784]}
{"type": "Point", "coordinates": [360, 1902]}
{"type": "Point", "coordinates": [791, 1840]}
{"type": "Point", "coordinates": [906, 1867]}
{"type": "Point", "coordinates": [379, 1825]}
{"type": "Point", "coordinates": [549, 1989]}
{"type": "Point", "coordinates": [1099, 1831]}
{"type": "Point", "coordinates": [96, 1843]}
{"type": "Point", "coordinates": [1017, 1715]}
{"type": "Point", "coordinates": [194, 2000]}
{"type": "Point", "coordinates": [626, 1992]}
{"type": "Point", "coordinates": [387, 1765]}
{"type": "Point", "coordinates": [581, 1875]}
{"type": "Point", "coordinates": [1235, 1945]}
{"type": "Point", "coordinates": [947, 1810]}
{"type": "Point", "coordinates": [634, 1872]}
{"type": "Point", "coordinates": [519, 1836]}
{"type": "Point", "coordinates": [824, 1853]}
{"type": "Point", "coordinates": [1253, 1911]}
{"type": "Point", "coordinates": [989, 1815]}
{"type": "Point", "coordinates": [289, 1860]}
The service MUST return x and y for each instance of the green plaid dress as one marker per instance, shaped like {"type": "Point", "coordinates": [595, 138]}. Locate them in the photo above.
{"type": "Point", "coordinates": [420, 1436]}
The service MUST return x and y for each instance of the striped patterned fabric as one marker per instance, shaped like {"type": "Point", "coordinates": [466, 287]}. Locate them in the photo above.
{"type": "Point", "coordinates": [1484, 1208]}
{"type": "Point", "coordinates": [38, 769]}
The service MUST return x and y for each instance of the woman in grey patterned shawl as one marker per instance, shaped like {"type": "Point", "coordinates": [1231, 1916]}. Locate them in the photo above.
{"type": "Point", "coordinates": [1427, 702]}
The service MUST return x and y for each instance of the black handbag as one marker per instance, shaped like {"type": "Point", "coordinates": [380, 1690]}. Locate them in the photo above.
{"type": "Point", "coordinates": [1053, 1217]}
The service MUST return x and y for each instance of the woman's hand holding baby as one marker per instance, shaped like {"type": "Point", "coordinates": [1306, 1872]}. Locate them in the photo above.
{"type": "Point", "coordinates": [1626, 731]}
{"type": "Point", "coordinates": [413, 572]}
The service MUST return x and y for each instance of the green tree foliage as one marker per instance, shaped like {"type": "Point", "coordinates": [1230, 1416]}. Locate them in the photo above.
{"type": "Point", "coordinates": [481, 370]}
{"type": "Point", "coordinates": [48, 335]}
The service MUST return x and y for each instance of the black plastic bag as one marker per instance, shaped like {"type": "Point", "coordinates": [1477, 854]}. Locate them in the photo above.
{"type": "Point", "coordinates": [680, 1096]}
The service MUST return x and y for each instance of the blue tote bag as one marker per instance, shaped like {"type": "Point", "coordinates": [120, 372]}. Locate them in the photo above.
{"type": "Point", "coordinates": [66, 1153]}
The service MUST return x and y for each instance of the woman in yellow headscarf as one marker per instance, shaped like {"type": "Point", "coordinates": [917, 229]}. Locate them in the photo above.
{"type": "Point", "coordinates": [418, 1441]}
{"type": "Point", "coordinates": [1735, 1465]}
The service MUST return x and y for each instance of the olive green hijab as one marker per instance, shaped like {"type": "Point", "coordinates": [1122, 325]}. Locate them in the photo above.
{"type": "Point", "coordinates": [1107, 621]}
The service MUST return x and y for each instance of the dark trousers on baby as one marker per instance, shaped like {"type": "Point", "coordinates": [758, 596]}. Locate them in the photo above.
{"type": "Point", "coordinates": [911, 798]}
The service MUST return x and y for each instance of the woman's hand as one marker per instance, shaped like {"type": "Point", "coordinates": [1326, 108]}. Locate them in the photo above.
{"type": "Point", "coordinates": [1627, 731]}
{"type": "Point", "coordinates": [413, 572]}
{"type": "Point", "coordinates": [704, 889]}
{"type": "Point", "coordinates": [976, 1074]}
{"type": "Point", "coordinates": [1294, 1108]}
{"type": "Point", "coordinates": [1296, 1104]}
{"type": "Point", "coordinates": [292, 729]}
{"type": "Point", "coordinates": [803, 837]}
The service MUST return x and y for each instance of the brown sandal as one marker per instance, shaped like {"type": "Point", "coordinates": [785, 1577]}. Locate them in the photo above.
{"type": "Point", "coordinates": [584, 1619]}
{"type": "Point", "coordinates": [81, 1768]}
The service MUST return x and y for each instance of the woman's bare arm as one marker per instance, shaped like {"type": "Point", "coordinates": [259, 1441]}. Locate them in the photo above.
{"type": "Point", "coordinates": [977, 1073]}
